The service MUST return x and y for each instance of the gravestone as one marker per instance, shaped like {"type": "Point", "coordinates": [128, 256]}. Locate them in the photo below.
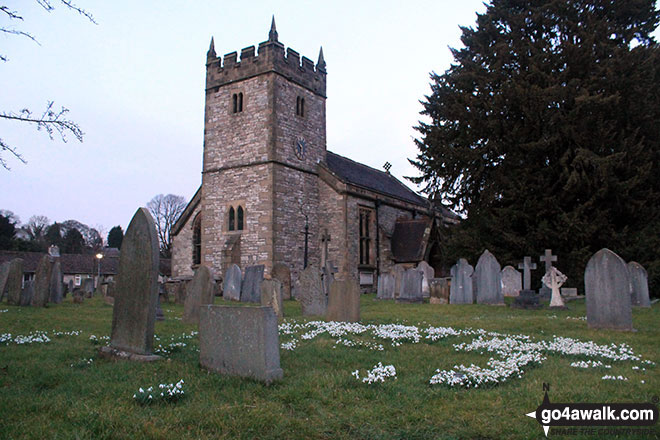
{"type": "Point", "coordinates": [181, 292]}
{"type": "Point", "coordinates": [231, 285]}
{"type": "Point", "coordinates": [607, 290]}
{"type": "Point", "coordinates": [528, 299]}
{"type": "Point", "coordinates": [428, 273]}
{"type": "Point", "coordinates": [251, 284]}
{"type": "Point", "coordinates": [344, 301]}
{"type": "Point", "coordinates": [56, 285]}
{"type": "Point", "coordinates": [313, 300]}
{"type": "Point", "coordinates": [639, 284]}
{"type": "Point", "coordinates": [110, 291]}
{"type": "Point", "coordinates": [569, 292]}
{"type": "Point", "coordinates": [411, 287]}
{"type": "Point", "coordinates": [328, 276]}
{"type": "Point", "coordinates": [554, 279]}
{"type": "Point", "coordinates": [548, 259]}
{"type": "Point", "coordinates": [136, 292]}
{"type": "Point", "coordinates": [511, 281]}
{"type": "Point", "coordinates": [160, 316]}
{"type": "Point", "coordinates": [27, 293]}
{"type": "Point", "coordinates": [88, 286]}
{"type": "Point", "coordinates": [4, 276]}
{"type": "Point", "coordinates": [78, 296]}
{"type": "Point", "coordinates": [200, 293]}
{"type": "Point", "coordinates": [69, 286]}
{"type": "Point", "coordinates": [385, 286]}
{"type": "Point", "coordinates": [42, 282]}
{"type": "Point", "coordinates": [271, 296]}
{"type": "Point", "coordinates": [461, 290]}
{"type": "Point", "coordinates": [240, 341]}
{"type": "Point", "coordinates": [398, 271]}
{"type": "Point", "coordinates": [15, 281]}
{"type": "Point", "coordinates": [527, 266]}
{"type": "Point", "coordinates": [487, 280]}
{"type": "Point", "coordinates": [439, 288]}
{"type": "Point", "coordinates": [282, 273]}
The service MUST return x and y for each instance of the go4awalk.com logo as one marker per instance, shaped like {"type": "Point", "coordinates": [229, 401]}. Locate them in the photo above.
{"type": "Point", "coordinates": [594, 415]}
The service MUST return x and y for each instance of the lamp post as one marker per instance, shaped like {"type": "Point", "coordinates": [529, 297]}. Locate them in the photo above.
{"type": "Point", "coordinates": [99, 256]}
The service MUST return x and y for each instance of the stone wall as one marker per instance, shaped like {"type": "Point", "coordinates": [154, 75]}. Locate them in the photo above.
{"type": "Point", "coordinates": [182, 248]}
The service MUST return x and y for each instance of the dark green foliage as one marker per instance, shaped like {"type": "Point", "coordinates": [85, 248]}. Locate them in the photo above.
{"type": "Point", "coordinates": [7, 232]}
{"type": "Point", "coordinates": [545, 133]}
{"type": "Point", "coordinates": [115, 237]}
{"type": "Point", "coordinates": [54, 235]}
{"type": "Point", "coordinates": [74, 243]}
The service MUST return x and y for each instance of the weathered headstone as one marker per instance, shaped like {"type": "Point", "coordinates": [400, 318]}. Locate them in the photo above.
{"type": "Point", "coordinates": [639, 284]}
{"type": "Point", "coordinates": [88, 286]}
{"type": "Point", "coordinates": [15, 281]}
{"type": "Point", "coordinates": [428, 273]}
{"type": "Point", "coordinates": [181, 292]}
{"type": "Point", "coordinates": [411, 287]}
{"type": "Point", "coordinates": [385, 286]}
{"type": "Point", "coordinates": [251, 284]}
{"type": "Point", "coordinates": [78, 296]}
{"type": "Point", "coordinates": [528, 299]}
{"type": "Point", "coordinates": [136, 292]}
{"type": "Point", "coordinates": [42, 282]}
{"type": "Point", "coordinates": [56, 285]}
{"type": "Point", "coordinates": [282, 273]}
{"type": "Point", "coordinates": [69, 286]}
{"type": "Point", "coordinates": [554, 279]}
{"type": "Point", "coordinates": [569, 292]}
{"type": "Point", "coordinates": [439, 290]}
{"type": "Point", "coordinates": [511, 281]}
{"type": "Point", "coordinates": [460, 290]}
{"type": "Point", "coordinates": [487, 280]}
{"type": "Point", "coordinates": [548, 259]}
{"type": "Point", "coordinates": [607, 290]}
{"type": "Point", "coordinates": [344, 301]}
{"type": "Point", "coordinates": [240, 341]}
{"type": "Point", "coordinates": [271, 296]}
{"type": "Point", "coordinates": [200, 293]}
{"type": "Point", "coordinates": [527, 266]}
{"type": "Point", "coordinates": [27, 293]}
{"type": "Point", "coordinates": [313, 300]}
{"type": "Point", "coordinates": [398, 271]}
{"type": "Point", "coordinates": [4, 276]}
{"type": "Point", "coordinates": [328, 276]}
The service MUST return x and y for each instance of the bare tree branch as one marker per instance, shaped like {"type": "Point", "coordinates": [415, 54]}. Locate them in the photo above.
{"type": "Point", "coordinates": [12, 14]}
{"type": "Point", "coordinates": [47, 5]}
{"type": "Point", "coordinates": [5, 147]}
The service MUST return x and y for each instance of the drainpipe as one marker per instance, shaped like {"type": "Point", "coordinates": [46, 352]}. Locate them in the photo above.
{"type": "Point", "coordinates": [377, 242]}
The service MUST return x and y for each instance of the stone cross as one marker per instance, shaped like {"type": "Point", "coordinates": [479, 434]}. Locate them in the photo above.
{"type": "Point", "coordinates": [554, 280]}
{"type": "Point", "coordinates": [527, 266]}
{"type": "Point", "coordinates": [548, 258]}
{"type": "Point", "coordinates": [325, 239]}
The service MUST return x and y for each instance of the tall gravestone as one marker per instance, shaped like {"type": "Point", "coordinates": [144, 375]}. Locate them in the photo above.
{"type": "Point", "coordinates": [439, 290]}
{"type": "Point", "coordinates": [136, 292]}
{"type": "Point", "coordinates": [88, 286]}
{"type": "Point", "coordinates": [385, 286]}
{"type": "Point", "coordinates": [411, 287]}
{"type": "Point", "coordinates": [511, 281]}
{"type": "Point", "coordinates": [15, 281]}
{"type": "Point", "coordinates": [231, 285]}
{"type": "Point", "coordinates": [56, 285]}
{"type": "Point", "coordinates": [240, 341]}
{"type": "Point", "coordinates": [398, 271]}
{"type": "Point", "coordinates": [429, 273]}
{"type": "Point", "coordinates": [4, 276]}
{"type": "Point", "coordinates": [42, 282]}
{"type": "Point", "coordinates": [344, 301]}
{"type": "Point", "coordinates": [282, 273]}
{"type": "Point", "coordinates": [639, 283]}
{"type": "Point", "coordinates": [27, 293]}
{"type": "Point", "coordinates": [313, 300]}
{"type": "Point", "coordinates": [200, 293]}
{"type": "Point", "coordinates": [251, 285]}
{"type": "Point", "coordinates": [461, 290]}
{"type": "Point", "coordinates": [271, 296]}
{"type": "Point", "coordinates": [607, 290]}
{"type": "Point", "coordinates": [487, 280]}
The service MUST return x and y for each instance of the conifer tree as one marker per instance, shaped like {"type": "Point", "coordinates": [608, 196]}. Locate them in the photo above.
{"type": "Point", "coordinates": [545, 133]}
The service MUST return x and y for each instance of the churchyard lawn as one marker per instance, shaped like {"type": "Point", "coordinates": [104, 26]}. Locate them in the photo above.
{"type": "Point", "coordinates": [54, 384]}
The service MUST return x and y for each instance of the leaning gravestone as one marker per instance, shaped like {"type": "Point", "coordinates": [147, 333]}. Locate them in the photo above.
{"type": "Point", "coordinates": [639, 283]}
{"type": "Point", "coordinates": [411, 287]}
{"type": "Point", "coordinates": [231, 285]}
{"type": "Point", "coordinates": [385, 286]}
{"type": "Point", "coordinates": [328, 276]}
{"type": "Point", "coordinates": [511, 281]}
{"type": "Point", "coordinates": [398, 271]}
{"type": "Point", "coordinates": [56, 285]}
{"type": "Point", "coordinates": [428, 273]}
{"type": "Point", "coordinates": [607, 290]}
{"type": "Point", "coordinates": [282, 273]}
{"type": "Point", "coordinates": [200, 293]}
{"type": "Point", "coordinates": [251, 285]}
{"type": "Point", "coordinates": [460, 290]}
{"type": "Point", "coordinates": [271, 296]}
{"type": "Point", "coordinates": [4, 276]}
{"type": "Point", "coordinates": [15, 281]}
{"type": "Point", "coordinates": [487, 281]}
{"type": "Point", "coordinates": [27, 293]}
{"type": "Point", "coordinates": [344, 301]}
{"type": "Point", "coordinates": [42, 282]}
{"type": "Point", "coordinates": [240, 341]}
{"type": "Point", "coordinates": [313, 300]}
{"type": "Point", "coordinates": [136, 292]}
{"type": "Point", "coordinates": [88, 286]}
{"type": "Point", "coordinates": [439, 290]}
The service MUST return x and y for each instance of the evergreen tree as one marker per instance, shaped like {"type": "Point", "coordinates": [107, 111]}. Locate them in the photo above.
{"type": "Point", "coordinates": [54, 235]}
{"type": "Point", "coordinates": [115, 237]}
{"type": "Point", "coordinates": [7, 232]}
{"type": "Point", "coordinates": [73, 242]}
{"type": "Point", "coordinates": [545, 133]}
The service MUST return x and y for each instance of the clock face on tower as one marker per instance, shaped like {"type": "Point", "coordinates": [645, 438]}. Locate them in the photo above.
{"type": "Point", "coordinates": [299, 147]}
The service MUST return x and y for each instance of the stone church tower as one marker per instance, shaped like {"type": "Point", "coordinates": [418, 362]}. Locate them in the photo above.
{"type": "Point", "coordinates": [264, 136]}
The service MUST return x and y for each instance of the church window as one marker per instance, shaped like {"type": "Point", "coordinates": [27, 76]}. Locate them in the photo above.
{"type": "Point", "coordinates": [232, 218]}
{"type": "Point", "coordinates": [237, 101]}
{"type": "Point", "coordinates": [239, 218]}
{"type": "Point", "coordinates": [300, 106]}
{"type": "Point", "coordinates": [365, 236]}
{"type": "Point", "coordinates": [197, 240]}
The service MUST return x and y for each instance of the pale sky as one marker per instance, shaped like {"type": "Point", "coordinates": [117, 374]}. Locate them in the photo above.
{"type": "Point", "coordinates": [135, 85]}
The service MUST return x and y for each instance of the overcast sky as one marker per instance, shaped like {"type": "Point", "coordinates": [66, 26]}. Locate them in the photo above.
{"type": "Point", "coordinates": [135, 85]}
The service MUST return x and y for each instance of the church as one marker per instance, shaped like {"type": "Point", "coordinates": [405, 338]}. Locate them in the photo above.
{"type": "Point", "coordinates": [272, 193]}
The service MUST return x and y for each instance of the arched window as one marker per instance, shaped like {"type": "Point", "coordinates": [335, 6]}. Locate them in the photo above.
{"type": "Point", "coordinates": [239, 218]}
{"type": "Point", "coordinates": [197, 240]}
{"type": "Point", "coordinates": [240, 102]}
{"type": "Point", "coordinates": [232, 217]}
{"type": "Point", "coordinates": [302, 106]}
{"type": "Point", "coordinates": [235, 101]}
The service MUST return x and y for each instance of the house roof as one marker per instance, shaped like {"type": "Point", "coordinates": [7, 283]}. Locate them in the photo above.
{"type": "Point", "coordinates": [71, 264]}
{"type": "Point", "coordinates": [364, 176]}
{"type": "Point", "coordinates": [409, 240]}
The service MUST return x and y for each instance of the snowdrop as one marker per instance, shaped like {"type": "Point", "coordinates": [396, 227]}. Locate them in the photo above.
{"type": "Point", "coordinates": [378, 373]}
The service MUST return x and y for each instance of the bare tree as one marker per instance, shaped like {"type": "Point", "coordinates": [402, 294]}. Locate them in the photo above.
{"type": "Point", "coordinates": [52, 121]}
{"type": "Point", "coordinates": [166, 210]}
{"type": "Point", "coordinates": [36, 227]}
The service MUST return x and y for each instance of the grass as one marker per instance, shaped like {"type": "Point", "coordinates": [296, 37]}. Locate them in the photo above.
{"type": "Point", "coordinates": [49, 390]}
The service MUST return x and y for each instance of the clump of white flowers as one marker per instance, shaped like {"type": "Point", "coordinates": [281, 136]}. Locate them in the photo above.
{"type": "Point", "coordinates": [37, 337]}
{"type": "Point", "coordinates": [166, 393]}
{"type": "Point", "coordinates": [291, 345]}
{"type": "Point", "coordinates": [607, 377]}
{"type": "Point", "coordinates": [4, 310]}
{"type": "Point", "coordinates": [98, 340]}
{"type": "Point", "coordinates": [83, 363]}
{"type": "Point", "coordinates": [590, 364]}
{"type": "Point", "coordinates": [378, 373]}
{"type": "Point", "coordinates": [577, 318]}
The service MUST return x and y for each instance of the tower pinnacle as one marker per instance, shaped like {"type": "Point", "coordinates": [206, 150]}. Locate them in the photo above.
{"type": "Point", "coordinates": [272, 35]}
{"type": "Point", "coordinates": [320, 65]}
{"type": "Point", "coordinates": [211, 52]}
